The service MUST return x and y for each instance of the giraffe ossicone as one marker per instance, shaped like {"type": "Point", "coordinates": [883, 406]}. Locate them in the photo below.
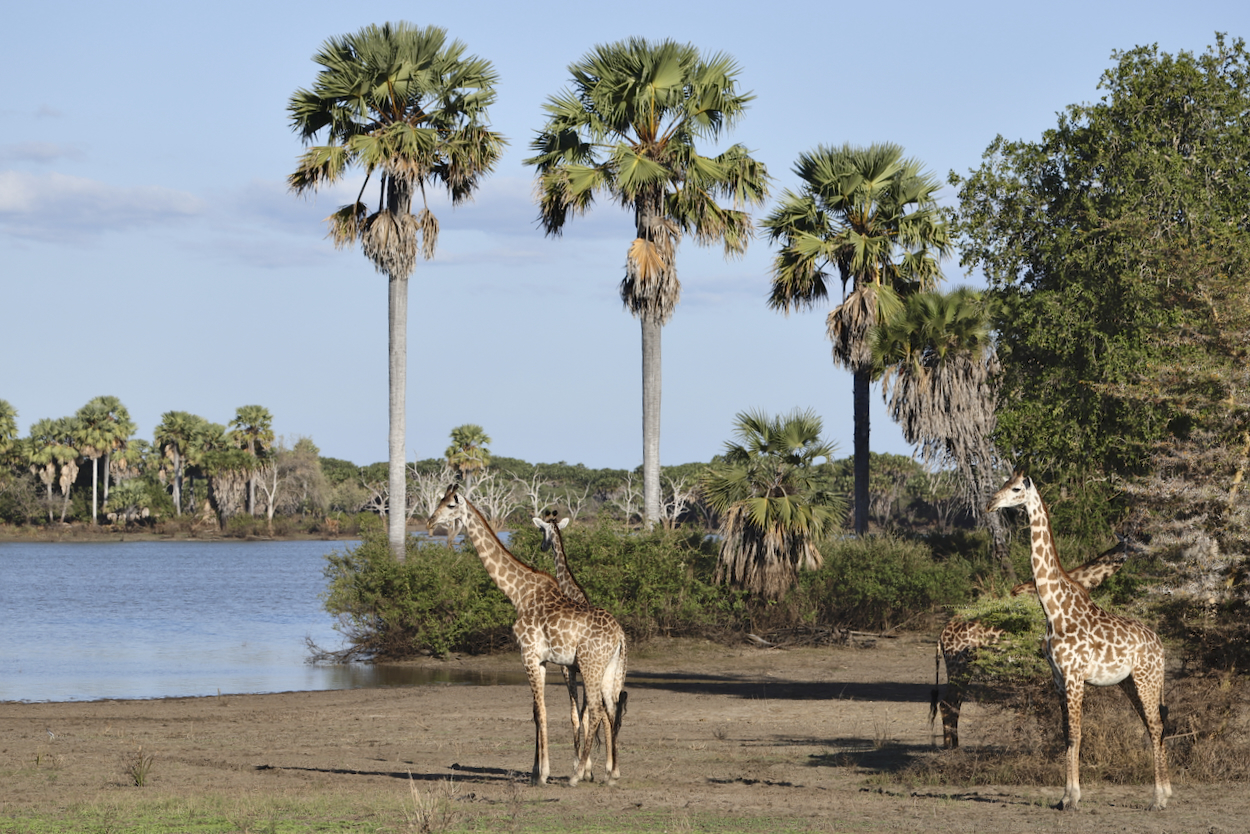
{"type": "Point", "coordinates": [551, 628]}
{"type": "Point", "coordinates": [1087, 645]}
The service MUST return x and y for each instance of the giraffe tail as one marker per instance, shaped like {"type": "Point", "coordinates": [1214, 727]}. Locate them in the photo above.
{"type": "Point", "coordinates": [620, 713]}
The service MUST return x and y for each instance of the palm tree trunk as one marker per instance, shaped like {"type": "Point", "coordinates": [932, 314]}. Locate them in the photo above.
{"type": "Point", "coordinates": [397, 515]}
{"type": "Point", "coordinates": [651, 330]}
{"type": "Point", "coordinates": [108, 473]}
{"type": "Point", "coordinates": [177, 484]}
{"type": "Point", "coordinates": [95, 479]}
{"type": "Point", "coordinates": [861, 392]}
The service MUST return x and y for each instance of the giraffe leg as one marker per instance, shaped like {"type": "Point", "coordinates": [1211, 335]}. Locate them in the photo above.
{"type": "Point", "coordinates": [1146, 698]}
{"type": "Point", "coordinates": [957, 678]}
{"type": "Point", "coordinates": [575, 713]}
{"type": "Point", "coordinates": [614, 707]}
{"type": "Point", "coordinates": [1071, 694]}
{"type": "Point", "coordinates": [537, 674]}
{"type": "Point", "coordinates": [590, 727]}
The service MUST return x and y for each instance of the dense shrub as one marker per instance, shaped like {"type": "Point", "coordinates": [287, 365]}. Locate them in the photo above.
{"type": "Point", "coordinates": [658, 583]}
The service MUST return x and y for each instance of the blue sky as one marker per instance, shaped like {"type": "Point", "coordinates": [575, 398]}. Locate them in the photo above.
{"type": "Point", "coordinates": [149, 249]}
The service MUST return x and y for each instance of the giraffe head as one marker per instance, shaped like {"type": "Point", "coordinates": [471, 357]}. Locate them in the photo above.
{"type": "Point", "coordinates": [1014, 493]}
{"type": "Point", "coordinates": [550, 529]}
{"type": "Point", "coordinates": [451, 510]}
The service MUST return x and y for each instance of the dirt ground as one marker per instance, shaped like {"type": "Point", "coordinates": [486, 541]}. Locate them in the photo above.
{"type": "Point", "coordinates": [715, 738]}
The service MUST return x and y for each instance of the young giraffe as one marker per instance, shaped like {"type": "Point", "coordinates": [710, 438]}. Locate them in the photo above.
{"type": "Point", "coordinates": [960, 641]}
{"type": "Point", "coordinates": [1085, 644]}
{"type": "Point", "coordinates": [551, 628]}
{"type": "Point", "coordinates": [554, 541]}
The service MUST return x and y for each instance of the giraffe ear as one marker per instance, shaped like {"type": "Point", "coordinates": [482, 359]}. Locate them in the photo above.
{"type": "Point", "coordinates": [564, 522]}
{"type": "Point", "coordinates": [538, 522]}
{"type": "Point", "coordinates": [1027, 482]}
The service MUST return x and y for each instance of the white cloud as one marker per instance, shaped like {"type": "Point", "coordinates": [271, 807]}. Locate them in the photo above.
{"type": "Point", "coordinates": [57, 206]}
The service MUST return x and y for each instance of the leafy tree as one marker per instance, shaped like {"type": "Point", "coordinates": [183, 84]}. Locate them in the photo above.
{"type": "Point", "coordinates": [1116, 248]}
{"type": "Point", "coordinates": [253, 427]}
{"type": "Point", "coordinates": [870, 213]}
{"type": "Point", "coordinates": [774, 508]}
{"type": "Point", "coordinates": [938, 365]}
{"type": "Point", "coordinates": [119, 427]}
{"type": "Point", "coordinates": [628, 128]}
{"type": "Point", "coordinates": [468, 454]}
{"type": "Point", "coordinates": [406, 104]}
{"type": "Point", "coordinates": [8, 440]}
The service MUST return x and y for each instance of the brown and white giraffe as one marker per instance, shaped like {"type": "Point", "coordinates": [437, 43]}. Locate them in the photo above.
{"type": "Point", "coordinates": [961, 639]}
{"type": "Point", "coordinates": [1087, 645]}
{"type": "Point", "coordinates": [554, 542]}
{"type": "Point", "coordinates": [551, 628]}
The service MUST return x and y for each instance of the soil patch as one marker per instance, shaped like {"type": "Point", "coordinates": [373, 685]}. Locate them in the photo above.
{"type": "Point", "coordinates": [716, 738]}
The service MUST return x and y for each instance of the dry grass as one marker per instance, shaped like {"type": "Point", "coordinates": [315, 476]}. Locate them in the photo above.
{"type": "Point", "coordinates": [1207, 732]}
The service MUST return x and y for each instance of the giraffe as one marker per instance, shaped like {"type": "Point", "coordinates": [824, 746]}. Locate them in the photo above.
{"type": "Point", "coordinates": [554, 541]}
{"type": "Point", "coordinates": [1085, 644]}
{"type": "Point", "coordinates": [960, 641]}
{"type": "Point", "coordinates": [551, 628]}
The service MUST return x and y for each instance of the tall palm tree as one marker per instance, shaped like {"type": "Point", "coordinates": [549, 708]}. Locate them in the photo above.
{"type": "Point", "coordinates": [870, 213]}
{"type": "Point", "coordinates": [118, 431]}
{"type": "Point", "coordinates": [467, 454]}
{"type": "Point", "coordinates": [176, 437]}
{"type": "Point", "coordinates": [628, 128]}
{"type": "Point", "coordinates": [938, 367]}
{"type": "Point", "coordinates": [774, 507]}
{"type": "Point", "coordinates": [253, 426]}
{"type": "Point", "coordinates": [47, 450]}
{"type": "Point", "coordinates": [406, 104]}
{"type": "Point", "coordinates": [93, 435]}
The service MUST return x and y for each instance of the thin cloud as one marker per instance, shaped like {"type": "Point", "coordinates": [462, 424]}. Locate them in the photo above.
{"type": "Point", "coordinates": [55, 206]}
{"type": "Point", "coordinates": [41, 153]}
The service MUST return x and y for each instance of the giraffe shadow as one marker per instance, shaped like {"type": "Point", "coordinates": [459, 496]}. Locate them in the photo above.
{"type": "Point", "coordinates": [461, 773]}
{"type": "Point", "coordinates": [865, 754]}
{"type": "Point", "coordinates": [736, 686]}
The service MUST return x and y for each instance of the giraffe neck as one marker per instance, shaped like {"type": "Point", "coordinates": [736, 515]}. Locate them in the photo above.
{"type": "Point", "coordinates": [564, 576]}
{"type": "Point", "coordinates": [1052, 581]}
{"type": "Point", "coordinates": [509, 573]}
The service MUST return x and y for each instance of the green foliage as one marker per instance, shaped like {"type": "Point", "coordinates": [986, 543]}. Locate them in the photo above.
{"type": "Point", "coordinates": [878, 583]}
{"type": "Point", "coordinates": [1115, 248]}
{"type": "Point", "coordinates": [435, 601]}
{"type": "Point", "coordinates": [657, 584]}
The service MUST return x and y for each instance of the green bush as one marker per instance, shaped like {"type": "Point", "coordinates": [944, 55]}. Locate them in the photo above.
{"type": "Point", "coordinates": [436, 601]}
{"type": "Point", "coordinates": [879, 582]}
{"type": "Point", "coordinates": [657, 584]}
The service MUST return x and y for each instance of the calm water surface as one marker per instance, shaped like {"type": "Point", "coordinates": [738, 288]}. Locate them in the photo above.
{"type": "Point", "coordinates": [84, 621]}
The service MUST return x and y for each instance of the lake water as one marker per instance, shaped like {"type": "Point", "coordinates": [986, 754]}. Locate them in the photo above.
{"type": "Point", "coordinates": [85, 621]}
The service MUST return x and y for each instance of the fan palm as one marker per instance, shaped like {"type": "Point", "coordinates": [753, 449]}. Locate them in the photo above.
{"type": "Point", "coordinates": [253, 426]}
{"type": "Point", "coordinates": [93, 436]}
{"type": "Point", "coordinates": [938, 365]}
{"type": "Point", "coordinates": [176, 437]}
{"type": "Point", "coordinates": [774, 508]}
{"type": "Point", "coordinates": [119, 428]}
{"type": "Point", "coordinates": [870, 214]}
{"type": "Point", "coordinates": [628, 128]}
{"type": "Point", "coordinates": [467, 454]}
{"type": "Point", "coordinates": [49, 449]}
{"type": "Point", "coordinates": [408, 105]}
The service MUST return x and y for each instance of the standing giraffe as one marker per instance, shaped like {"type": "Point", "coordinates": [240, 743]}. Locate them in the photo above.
{"type": "Point", "coordinates": [554, 541]}
{"type": "Point", "coordinates": [960, 641]}
{"type": "Point", "coordinates": [1085, 644]}
{"type": "Point", "coordinates": [551, 628]}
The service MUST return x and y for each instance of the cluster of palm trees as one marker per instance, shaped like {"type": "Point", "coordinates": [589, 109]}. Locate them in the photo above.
{"type": "Point", "coordinates": [410, 107]}
{"type": "Point", "coordinates": [102, 432]}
